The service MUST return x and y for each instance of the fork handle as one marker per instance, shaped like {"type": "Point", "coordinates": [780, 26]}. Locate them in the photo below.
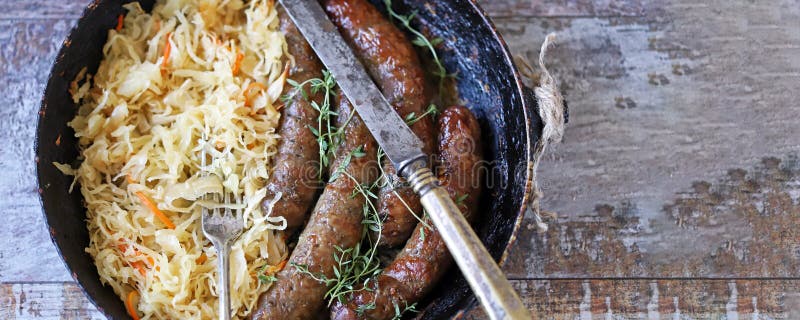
{"type": "Point", "coordinates": [224, 281]}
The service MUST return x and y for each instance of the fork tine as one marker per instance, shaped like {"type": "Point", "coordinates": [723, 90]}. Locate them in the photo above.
{"type": "Point", "coordinates": [239, 211]}
{"type": "Point", "coordinates": [227, 202]}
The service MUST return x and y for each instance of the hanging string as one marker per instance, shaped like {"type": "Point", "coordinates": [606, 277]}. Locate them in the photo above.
{"type": "Point", "coordinates": [551, 111]}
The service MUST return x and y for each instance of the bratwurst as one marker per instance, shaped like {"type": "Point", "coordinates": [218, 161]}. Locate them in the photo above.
{"type": "Point", "coordinates": [335, 222]}
{"type": "Point", "coordinates": [336, 219]}
{"type": "Point", "coordinates": [295, 174]}
{"type": "Point", "coordinates": [394, 65]}
{"type": "Point", "coordinates": [425, 258]}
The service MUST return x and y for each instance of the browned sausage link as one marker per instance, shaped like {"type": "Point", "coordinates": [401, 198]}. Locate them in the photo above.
{"type": "Point", "coordinates": [394, 65]}
{"type": "Point", "coordinates": [424, 259]}
{"type": "Point", "coordinates": [295, 173]}
{"type": "Point", "coordinates": [335, 221]}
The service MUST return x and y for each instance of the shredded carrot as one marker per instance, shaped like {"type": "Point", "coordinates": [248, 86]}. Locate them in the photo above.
{"type": "Point", "coordinates": [119, 22]}
{"type": "Point", "coordinates": [248, 91]}
{"type": "Point", "coordinates": [58, 140]}
{"type": "Point", "coordinates": [238, 63]}
{"type": "Point", "coordinates": [129, 178]}
{"type": "Point", "coordinates": [167, 51]}
{"type": "Point", "coordinates": [276, 268]}
{"type": "Point", "coordinates": [152, 206]}
{"type": "Point", "coordinates": [139, 266]}
{"type": "Point", "coordinates": [123, 247]}
{"type": "Point", "coordinates": [202, 258]}
{"type": "Point", "coordinates": [129, 305]}
{"type": "Point", "coordinates": [282, 264]}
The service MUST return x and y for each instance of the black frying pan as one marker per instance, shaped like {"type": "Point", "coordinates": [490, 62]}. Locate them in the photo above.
{"type": "Point", "coordinates": [488, 83]}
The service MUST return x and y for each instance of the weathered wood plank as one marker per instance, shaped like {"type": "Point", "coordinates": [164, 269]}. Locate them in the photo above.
{"type": "Point", "coordinates": [45, 301]}
{"type": "Point", "coordinates": [680, 159]}
{"type": "Point", "coordinates": [563, 8]}
{"type": "Point", "coordinates": [41, 9]}
{"type": "Point", "coordinates": [28, 51]}
{"type": "Point", "coordinates": [44, 9]}
{"type": "Point", "coordinates": [547, 299]}
{"type": "Point", "coordinates": [658, 299]}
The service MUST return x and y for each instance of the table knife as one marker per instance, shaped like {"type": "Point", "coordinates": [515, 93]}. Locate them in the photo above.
{"type": "Point", "coordinates": [404, 150]}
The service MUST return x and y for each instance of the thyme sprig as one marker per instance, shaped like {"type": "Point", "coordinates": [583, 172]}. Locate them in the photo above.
{"type": "Point", "coordinates": [398, 314]}
{"type": "Point", "coordinates": [327, 137]}
{"type": "Point", "coordinates": [421, 40]}
{"type": "Point", "coordinates": [412, 118]}
{"type": "Point", "coordinates": [355, 266]}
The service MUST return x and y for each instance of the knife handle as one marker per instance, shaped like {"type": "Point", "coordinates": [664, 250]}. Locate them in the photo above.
{"type": "Point", "coordinates": [484, 276]}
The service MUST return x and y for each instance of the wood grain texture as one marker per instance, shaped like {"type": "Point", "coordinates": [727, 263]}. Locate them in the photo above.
{"type": "Point", "coordinates": [41, 9]}
{"type": "Point", "coordinates": [28, 50]}
{"type": "Point", "coordinates": [658, 299]}
{"type": "Point", "coordinates": [63, 301]}
{"type": "Point", "coordinates": [681, 161]}
{"type": "Point", "coordinates": [547, 299]}
{"type": "Point", "coordinates": [563, 8]}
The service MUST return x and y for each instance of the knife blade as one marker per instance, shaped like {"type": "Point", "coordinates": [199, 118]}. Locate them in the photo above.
{"type": "Point", "coordinates": [390, 131]}
{"type": "Point", "coordinates": [404, 149]}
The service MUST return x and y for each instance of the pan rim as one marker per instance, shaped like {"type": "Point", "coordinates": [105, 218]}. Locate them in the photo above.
{"type": "Point", "coordinates": [529, 134]}
{"type": "Point", "coordinates": [527, 107]}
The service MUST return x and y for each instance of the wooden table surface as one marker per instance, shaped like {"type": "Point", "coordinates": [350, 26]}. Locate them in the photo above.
{"type": "Point", "coordinates": [677, 186]}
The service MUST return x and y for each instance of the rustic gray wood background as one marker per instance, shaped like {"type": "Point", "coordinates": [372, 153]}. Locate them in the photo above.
{"type": "Point", "coordinates": [677, 187]}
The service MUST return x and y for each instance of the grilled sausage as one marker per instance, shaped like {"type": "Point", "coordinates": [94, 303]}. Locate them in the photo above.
{"type": "Point", "coordinates": [335, 221]}
{"type": "Point", "coordinates": [424, 259]}
{"type": "Point", "coordinates": [394, 65]}
{"type": "Point", "coordinates": [295, 173]}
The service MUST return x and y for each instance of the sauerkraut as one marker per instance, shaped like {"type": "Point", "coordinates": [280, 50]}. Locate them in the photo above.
{"type": "Point", "coordinates": [186, 76]}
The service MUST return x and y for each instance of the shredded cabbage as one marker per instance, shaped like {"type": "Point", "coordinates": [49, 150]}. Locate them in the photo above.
{"type": "Point", "coordinates": [141, 125]}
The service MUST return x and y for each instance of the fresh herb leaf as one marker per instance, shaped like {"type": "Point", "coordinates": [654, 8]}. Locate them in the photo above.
{"type": "Point", "coordinates": [267, 278]}
{"type": "Point", "coordinates": [398, 314]}
{"type": "Point", "coordinates": [421, 40]}
{"type": "Point", "coordinates": [326, 133]}
{"type": "Point", "coordinates": [411, 118]}
{"type": "Point", "coordinates": [460, 199]}
{"type": "Point", "coordinates": [362, 308]}
{"type": "Point", "coordinates": [359, 152]}
{"type": "Point", "coordinates": [355, 267]}
{"type": "Point", "coordinates": [314, 131]}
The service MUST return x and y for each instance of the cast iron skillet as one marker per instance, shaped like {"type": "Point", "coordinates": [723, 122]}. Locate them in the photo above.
{"type": "Point", "coordinates": [488, 83]}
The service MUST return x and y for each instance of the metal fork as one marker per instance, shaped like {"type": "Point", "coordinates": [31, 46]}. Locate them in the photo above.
{"type": "Point", "coordinates": [222, 229]}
